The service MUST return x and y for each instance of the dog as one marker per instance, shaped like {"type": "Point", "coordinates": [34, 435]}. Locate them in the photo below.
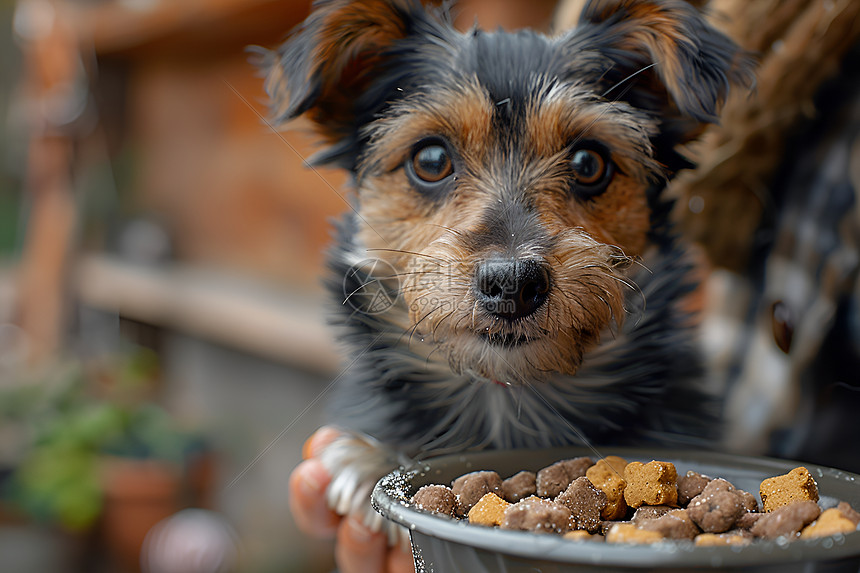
{"type": "Point", "coordinates": [508, 276]}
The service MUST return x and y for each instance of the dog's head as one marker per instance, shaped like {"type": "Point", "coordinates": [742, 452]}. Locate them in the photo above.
{"type": "Point", "coordinates": [508, 178]}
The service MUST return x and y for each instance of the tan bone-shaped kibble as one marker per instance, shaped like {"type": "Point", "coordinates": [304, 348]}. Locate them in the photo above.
{"type": "Point", "coordinates": [654, 483]}
{"type": "Point", "coordinates": [796, 485]}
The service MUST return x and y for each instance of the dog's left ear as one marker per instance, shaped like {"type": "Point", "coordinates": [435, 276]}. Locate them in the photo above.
{"type": "Point", "coordinates": [662, 55]}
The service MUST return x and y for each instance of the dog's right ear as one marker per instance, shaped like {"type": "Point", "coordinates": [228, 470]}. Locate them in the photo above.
{"type": "Point", "coordinates": [330, 60]}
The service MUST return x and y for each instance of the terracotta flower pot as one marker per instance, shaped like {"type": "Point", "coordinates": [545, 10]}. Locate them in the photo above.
{"type": "Point", "coordinates": [138, 494]}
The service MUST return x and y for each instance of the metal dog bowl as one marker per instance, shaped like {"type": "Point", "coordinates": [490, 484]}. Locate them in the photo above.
{"type": "Point", "coordinates": [442, 545]}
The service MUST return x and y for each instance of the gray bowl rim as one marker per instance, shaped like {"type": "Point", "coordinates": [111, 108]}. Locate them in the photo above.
{"type": "Point", "coordinates": [391, 493]}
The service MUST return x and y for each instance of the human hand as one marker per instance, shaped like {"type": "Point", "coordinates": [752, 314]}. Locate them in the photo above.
{"type": "Point", "coordinates": [358, 549]}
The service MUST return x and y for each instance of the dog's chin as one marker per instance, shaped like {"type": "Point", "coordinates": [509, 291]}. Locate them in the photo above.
{"type": "Point", "coordinates": [511, 359]}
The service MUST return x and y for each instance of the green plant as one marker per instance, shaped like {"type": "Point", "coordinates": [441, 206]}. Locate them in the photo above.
{"type": "Point", "coordinates": [93, 413]}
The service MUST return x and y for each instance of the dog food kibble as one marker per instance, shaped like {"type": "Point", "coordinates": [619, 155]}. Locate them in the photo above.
{"type": "Point", "coordinates": [654, 483]}
{"type": "Point", "coordinates": [629, 533]}
{"type": "Point", "coordinates": [473, 486]}
{"type": "Point", "coordinates": [786, 520]}
{"type": "Point", "coordinates": [719, 539]}
{"type": "Point", "coordinates": [490, 510]}
{"type": "Point", "coordinates": [796, 485]}
{"type": "Point", "coordinates": [717, 508]}
{"type": "Point", "coordinates": [554, 479]}
{"type": "Point", "coordinates": [747, 520]}
{"type": "Point", "coordinates": [607, 476]}
{"type": "Point", "coordinates": [748, 500]}
{"type": "Point", "coordinates": [582, 535]}
{"type": "Point", "coordinates": [845, 508]}
{"type": "Point", "coordinates": [676, 524]}
{"type": "Point", "coordinates": [436, 499]}
{"type": "Point", "coordinates": [650, 512]}
{"type": "Point", "coordinates": [585, 503]}
{"type": "Point", "coordinates": [605, 526]}
{"type": "Point", "coordinates": [538, 515]}
{"type": "Point", "coordinates": [691, 485]}
{"type": "Point", "coordinates": [840, 519]}
{"type": "Point", "coordinates": [639, 503]}
{"type": "Point", "coordinates": [519, 486]}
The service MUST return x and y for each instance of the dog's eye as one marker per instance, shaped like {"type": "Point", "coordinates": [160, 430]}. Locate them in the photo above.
{"type": "Point", "coordinates": [430, 163]}
{"type": "Point", "coordinates": [783, 325]}
{"type": "Point", "coordinates": [591, 169]}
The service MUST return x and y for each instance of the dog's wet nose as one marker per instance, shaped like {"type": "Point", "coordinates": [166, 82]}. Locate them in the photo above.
{"type": "Point", "coordinates": [511, 289]}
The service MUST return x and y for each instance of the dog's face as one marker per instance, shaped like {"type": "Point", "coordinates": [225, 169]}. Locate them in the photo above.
{"type": "Point", "coordinates": [509, 179]}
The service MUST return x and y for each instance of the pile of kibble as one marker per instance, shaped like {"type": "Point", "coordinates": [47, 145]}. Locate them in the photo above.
{"type": "Point", "coordinates": [638, 502]}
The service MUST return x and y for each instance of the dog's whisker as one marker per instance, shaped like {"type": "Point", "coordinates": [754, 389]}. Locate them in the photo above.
{"type": "Point", "coordinates": [631, 76]}
{"type": "Point", "coordinates": [451, 230]}
{"type": "Point", "coordinates": [604, 111]}
{"type": "Point", "coordinates": [474, 312]}
{"type": "Point", "coordinates": [358, 289]}
{"type": "Point", "coordinates": [415, 326]}
{"type": "Point", "coordinates": [436, 348]}
{"type": "Point", "coordinates": [440, 321]}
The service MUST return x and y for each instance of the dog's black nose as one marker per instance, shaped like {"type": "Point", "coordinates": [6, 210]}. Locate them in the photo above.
{"type": "Point", "coordinates": [511, 289]}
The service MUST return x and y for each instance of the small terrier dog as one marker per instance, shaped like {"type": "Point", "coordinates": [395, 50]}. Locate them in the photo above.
{"type": "Point", "coordinates": [508, 277]}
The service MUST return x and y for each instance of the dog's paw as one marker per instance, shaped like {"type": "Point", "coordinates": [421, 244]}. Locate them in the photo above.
{"type": "Point", "coordinates": [355, 463]}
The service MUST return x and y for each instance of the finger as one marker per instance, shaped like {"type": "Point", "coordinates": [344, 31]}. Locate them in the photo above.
{"type": "Point", "coordinates": [400, 560]}
{"type": "Point", "coordinates": [319, 440]}
{"type": "Point", "coordinates": [307, 487]}
{"type": "Point", "coordinates": [358, 549]}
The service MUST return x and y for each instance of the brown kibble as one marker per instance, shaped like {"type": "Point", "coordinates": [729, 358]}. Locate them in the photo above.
{"type": "Point", "coordinates": [748, 500]}
{"type": "Point", "coordinates": [519, 486]}
{"type": "Point", "coordinates": [720, 539]}
{"type": "Point", "coordinates": [489, 511]}
{"type": "Point", "coordinates": [436, 499]}
{"type": "Point", "coordinates": [615, 509]}
{"type": "Point", "coordinates": [717, 508]}
{"type": "Point", "coordinates": [830, 522]}
{"type": "Point", "coordinates": [848, 512]}
{"type": "Point", "coordinates": [629, 533]}
{"type": "Point", "coordinates": [471, 487]}
{"type": "Point", "coordinates": [650, 512]}
{"type": "Point", "coordinates": [691, 485]}
{"type": "Point", "coordinates": [538, 515]}
{"type": "Point", "coordinates": [585, 503]}
{"type": "Point", "coordinates": [607, 476]}
{"type": "Point", "coordinates": [675, 524]}
{"type": "Point", "coordinates": [796, 485]}
{"type": "Point", "coordinates": [747, 520]}
{"type": "Point", "coordinates": [554, 479]}
{"type": "Point", "coordinates": [654, 483]}
{"type": "Point", "coordinates": [786, 520]}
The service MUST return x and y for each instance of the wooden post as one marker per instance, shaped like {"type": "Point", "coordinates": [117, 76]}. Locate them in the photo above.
{"type": "Point", "coordinates": [51, 72]}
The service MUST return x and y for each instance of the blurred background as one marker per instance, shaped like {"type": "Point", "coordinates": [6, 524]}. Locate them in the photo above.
{"type": "Point", "coordinates": [163, 346]}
